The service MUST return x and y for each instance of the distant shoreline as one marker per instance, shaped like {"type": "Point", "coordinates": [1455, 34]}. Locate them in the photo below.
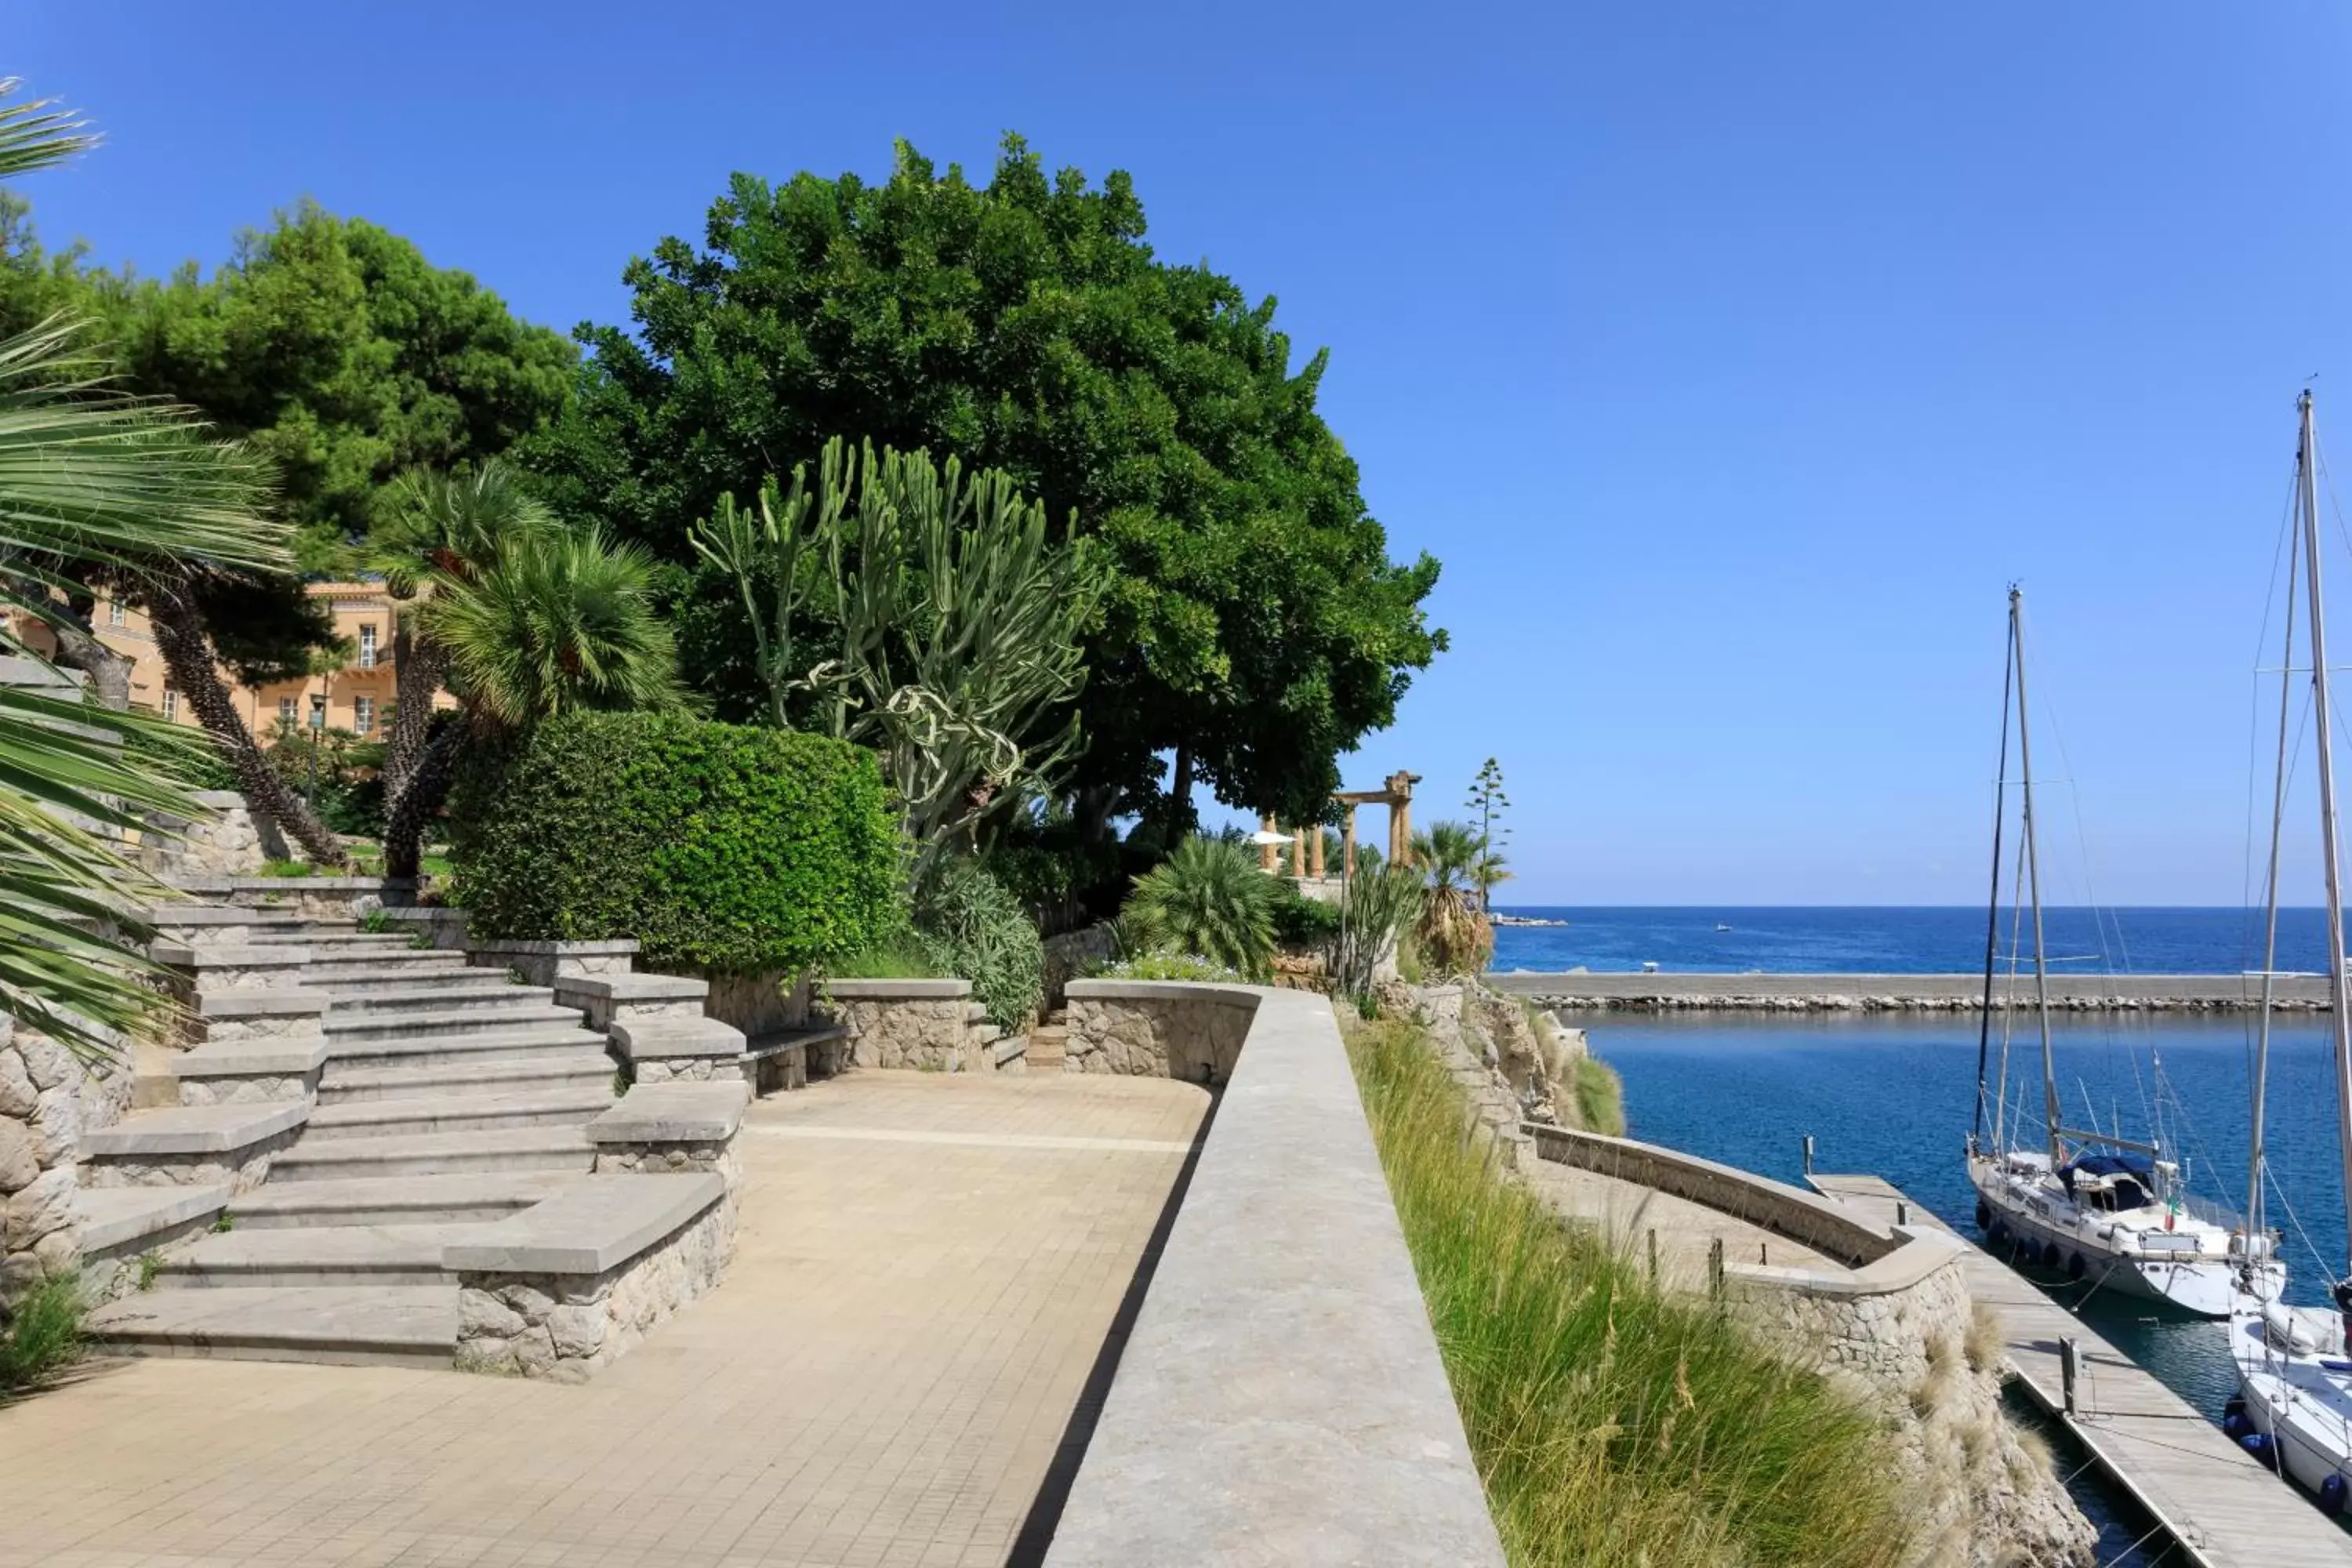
{"type": "Point", "coordinates": [1670, 993]}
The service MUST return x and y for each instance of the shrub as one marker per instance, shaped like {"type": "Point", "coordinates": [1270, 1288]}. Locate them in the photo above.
{"type": "Point", "coordinates": [1167, 966]}
{"type": "Point", "coordinates": [43, 1335]}
{"type": "Point", "coordinates": [1302, 924]}
{"type": "Point", "coordinates": [1209, 898]}
{"type": "Point", "coordinates": [1599, 1097]}
{"type": "Point", "coordinates": [1610, 1423]}
{"type": "Point", "coordinates": [971, 926]}
{"type": "Point", "coordinates": [1380, 905]}
{"type": "Point", "coordinates": [719, 846]}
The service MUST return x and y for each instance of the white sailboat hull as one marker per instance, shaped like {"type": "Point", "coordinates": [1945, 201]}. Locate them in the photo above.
{"type": "Point", "coordinates": [2300, 1401]}
{"type": "Point", "coordinates": [2191, 1268]}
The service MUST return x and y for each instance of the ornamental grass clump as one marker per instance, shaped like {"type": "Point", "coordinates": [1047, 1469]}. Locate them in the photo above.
{"type": "Point", "coordinates": [43, 1336]}
{"type": "Point", "coordinates": [1610, 1423]}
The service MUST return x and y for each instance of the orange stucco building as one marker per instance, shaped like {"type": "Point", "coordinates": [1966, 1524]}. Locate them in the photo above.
{"type": "Point", "coordinates": [358, 697]}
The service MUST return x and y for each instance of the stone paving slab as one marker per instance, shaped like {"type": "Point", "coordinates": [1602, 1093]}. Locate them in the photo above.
{"type": "Point", "coordinates": [883, 1379]}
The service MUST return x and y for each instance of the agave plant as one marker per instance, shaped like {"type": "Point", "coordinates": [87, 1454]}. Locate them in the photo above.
{"type": "Point", "coordinates": [1209, 900]}
{"type": "Point", "coordinates": [1380, 903]}
{"type": "Point", "coordinates": [1452, 931]}
{"type": "Point", "coordinates": [90, 479]}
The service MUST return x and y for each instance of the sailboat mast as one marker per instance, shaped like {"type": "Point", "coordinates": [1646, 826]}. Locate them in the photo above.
{"type": "Point", "coordinates": [1993, 902]}
{"type": "Point", "coordinates": [2339, 992]}
{"type": "Point", "coordinates": [2033, 877]}
{"type": "Point", "coordinates": [2260, 1087]}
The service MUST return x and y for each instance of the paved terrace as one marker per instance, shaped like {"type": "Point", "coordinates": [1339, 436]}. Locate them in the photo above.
{"type": "Point", "coordinates": [928, 1269]}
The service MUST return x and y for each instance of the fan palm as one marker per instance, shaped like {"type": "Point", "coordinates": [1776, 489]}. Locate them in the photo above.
{"type": "Point", "coordinates": [1451, 933]}
{"type": "Point", "coordinates": [554, 622]}
{"type": "Point", "coordinates": [89, 480]}
{"type": "Point", "coordinates": [447, 529]}
{"type": "Point", "coordinates": [1208, 899]}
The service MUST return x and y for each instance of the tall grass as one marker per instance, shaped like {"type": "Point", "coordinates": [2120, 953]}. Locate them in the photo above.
{"type": "Point", "coordinates": [1611, 1424]}
{"type": "Point", "coordinates": [1599, 1097]}
{"type": "Point", "coordinates": [43, 1336]}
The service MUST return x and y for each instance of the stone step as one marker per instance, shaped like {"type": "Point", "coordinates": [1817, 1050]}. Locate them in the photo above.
{"type": "Point", "coordinates": [548, 1070]}
{"type": "Point", "coordinates": [459, 992]}
{"type": "Point", "coordinates": [1048, 1046]}
{"type": "Point", "coordinates": [394, 1254]}
{"type": "Point", "coordinates": [415, 1115]}
{"type": "Point", "coordinates": [493, 1040]}
{"type": "Point", "coordinates": [382, 968]}
{"type": "Point", "coordinates": [341, 1325]}
{"type": "Point", "coordinates": [376, 1028]}
{"type": "Point", "coordinates": [339, 942]}
{"type": "Point", "coordinates": [436, 1154]}
{"type": "Point", "coordinates": [397, 1200]}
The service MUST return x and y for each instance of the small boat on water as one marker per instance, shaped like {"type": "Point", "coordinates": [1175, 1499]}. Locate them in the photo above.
{"type": "Point", "coordinates": [2100, 1209]}
{"type": "Point", "coordinates": [2294, 1409]}
{"type": "Point", "coordinates": [1720, 926]}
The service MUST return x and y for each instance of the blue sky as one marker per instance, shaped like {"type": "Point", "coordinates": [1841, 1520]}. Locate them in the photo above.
{"type": "Point", "coordinates": [1732, 357]}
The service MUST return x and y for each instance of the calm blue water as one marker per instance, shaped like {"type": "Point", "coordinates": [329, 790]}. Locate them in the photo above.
{"type": "Point", "coordinates": [1900, 941]}
{"type": "Point", "coordinates": [1893, 1097]}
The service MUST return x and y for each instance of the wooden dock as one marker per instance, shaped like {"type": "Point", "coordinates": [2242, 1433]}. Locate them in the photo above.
{"type": "Point", "coordinates": [2221, 1507]}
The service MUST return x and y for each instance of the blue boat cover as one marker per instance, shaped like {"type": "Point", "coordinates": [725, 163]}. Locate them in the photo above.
{"type": "Point", "coordinates": [2138, 1165]}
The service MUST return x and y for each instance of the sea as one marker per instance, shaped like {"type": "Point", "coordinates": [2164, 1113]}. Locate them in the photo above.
{"type": "Point", "coordinates": [1895, 1095]}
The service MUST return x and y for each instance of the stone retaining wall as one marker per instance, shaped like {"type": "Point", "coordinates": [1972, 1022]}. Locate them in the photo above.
{"type": "Point", "coordinates": [1280, 1398]}
{"type": "Point", "coordinates": [1157, 1028]}
{"type": "Point", "coordinates": [317, 897]}
{"type": "Point", "coordinates": [232, 840]}
{"type": "Point", "coordinates": [563, 1328]}
{"type": "Point", "coordinates": [919, 1025]}
{"type": "Point", "coordinates": [46, 1101]}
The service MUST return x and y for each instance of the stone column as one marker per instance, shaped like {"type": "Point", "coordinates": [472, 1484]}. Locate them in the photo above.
{"type": "Point", "coordinates": [1298, 852]}
{"type": "Point", "coordinates": [1348, 842]}
{"type": "Point", "coordinates": [1315, 853]}
{"type": "Point", "coordinates": [1266, 851]}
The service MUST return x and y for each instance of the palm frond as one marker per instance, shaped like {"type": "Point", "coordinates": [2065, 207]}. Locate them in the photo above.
{"type": "Point", "coordinates": [38, 134]}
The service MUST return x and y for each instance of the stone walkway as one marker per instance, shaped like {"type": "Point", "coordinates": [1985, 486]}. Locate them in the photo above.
{"type": "Point", "coordinates": [928, 1269]}
{"type": "Point", "coordinates": [1625, 1213]}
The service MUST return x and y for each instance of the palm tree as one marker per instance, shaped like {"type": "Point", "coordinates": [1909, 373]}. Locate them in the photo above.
{"type": "Point", "coordinates": [554, 622]}
{"type": "Point", "coordinates": [1208, 899]}
{"type": "Point", "coordinates": [1452, 932]}
{"type": "Point", "coordinates": [438, 529]}
{"type": "Point", "coordinates": [91, 480]}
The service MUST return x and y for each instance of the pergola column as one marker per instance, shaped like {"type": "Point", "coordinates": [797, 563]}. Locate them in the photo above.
{"type": "Point", "coordinates": [1266, 851]}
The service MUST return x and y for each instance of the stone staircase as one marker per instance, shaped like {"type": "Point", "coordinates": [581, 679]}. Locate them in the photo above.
{"type": "Point", "coordinates": [450, 1097]}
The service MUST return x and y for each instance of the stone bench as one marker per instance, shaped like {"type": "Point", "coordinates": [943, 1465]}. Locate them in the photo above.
{"type": "Point", "coordinates": [673, 1049]}
{"type": "Point", "coordinates": [569, 1284]}
{"type": "Point", "coordinates": [192, 1145]}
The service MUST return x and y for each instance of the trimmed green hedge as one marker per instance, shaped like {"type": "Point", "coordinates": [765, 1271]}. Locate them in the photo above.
{"type": "Point", "coordinates": [718, 845]}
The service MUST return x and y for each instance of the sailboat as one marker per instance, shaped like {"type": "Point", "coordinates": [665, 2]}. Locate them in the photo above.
{"type": "Point", "coordinates": [2100, 1207]}
{"type": "Point", "coordinates": [2294, 1408]}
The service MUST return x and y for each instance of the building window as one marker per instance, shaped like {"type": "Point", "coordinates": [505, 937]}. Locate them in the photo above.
{"type": "Point", "coordinates": [170, 705]}
{"type": "Point", "coordinates": [114, 612]}
{"type": "Point", "coordinates": [364, 715]}
{"type": "Point", "coordinates": [286, 710]}
{"type": "Point", "coordinates": [367, 651]}
{"type": "Point", "coordinates": [318, 713]}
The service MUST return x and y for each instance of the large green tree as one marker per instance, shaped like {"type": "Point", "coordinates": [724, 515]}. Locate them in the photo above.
{"type": "Point", "coordinates": [342, 357]}
{"type": "Point", "coordinates": [1255, 626]}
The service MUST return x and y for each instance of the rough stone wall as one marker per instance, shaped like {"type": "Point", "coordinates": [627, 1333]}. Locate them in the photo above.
{"type": "Point", "coordinates": [927, 1034]}
{"type": "Point", "coordinates": [46, 1100]}
{"type": "Point", "coordinates": [1195, 1039]}
{"type": "Point", "coordinates": [111, 1273]}
{"type": "Point", "coordinates": [231, 842]}
{"type": "Point", "coordinates": [1981, 1490]}
{"type": "Point", "coordinates": [247, 1090]}
{"type": "Point", "coordinates": [718, 1158]}
{"type": "Point", "coordinates": [758, 1004]}
{"type": "Point", "coordinates": [563, 1328]}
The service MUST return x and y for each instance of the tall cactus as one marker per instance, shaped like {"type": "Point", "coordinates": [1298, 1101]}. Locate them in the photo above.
{"type": "Point", "coordinates": [958, 615]}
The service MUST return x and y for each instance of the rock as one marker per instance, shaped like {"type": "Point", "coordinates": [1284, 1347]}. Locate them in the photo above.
{"type": "Point", "coordinates": [534, 1351]}
{"type": "Point", "coordinates": [18, 1094]}
{"type": "Point", "coordinates": [60, 1252]}
{"type": "Point", "coordinates": [482, 1316]}
{"type": "Point", "coordinates": [48, 1063]}
{"type": "Point", "coordinates": [44, 1204]}
{"type": "Point", "coordinates": [18, 1163]}
{"type": "Point", "coordinates": [577, 1331]}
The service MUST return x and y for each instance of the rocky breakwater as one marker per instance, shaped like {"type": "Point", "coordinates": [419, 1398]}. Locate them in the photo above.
{"type": "Point", "coordinates": [1578, 993]}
